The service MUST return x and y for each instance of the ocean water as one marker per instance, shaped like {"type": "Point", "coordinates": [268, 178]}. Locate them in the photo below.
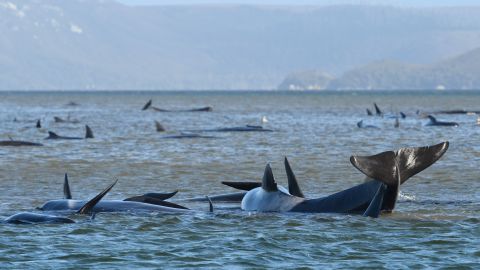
{"type": "Point", "coordinates": [435, 223]}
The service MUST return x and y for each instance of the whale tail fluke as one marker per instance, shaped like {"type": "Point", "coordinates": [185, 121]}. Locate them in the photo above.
{"type": "Point", "coordinates": [147, 105]}
{"type": "Point", "coordinates": [293, 187]}
{"type": "Point", "coordinates": [88, 132]}
{"type": "Point", "coordinates": [67, 194]}
{"type": "Point", "coordinates": [88, 207]}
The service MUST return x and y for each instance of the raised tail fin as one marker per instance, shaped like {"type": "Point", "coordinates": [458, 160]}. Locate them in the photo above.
{"type": "Point", "coordinates": [293, 187]}
{"type": "Point", "coordinates": [88, 207]}
{"type": "Point", "coordinates": [88, 132]}
{"type": "Point", "coordinates": [412, 160]}
{"type": "Point", "coordinates": [67, 194]}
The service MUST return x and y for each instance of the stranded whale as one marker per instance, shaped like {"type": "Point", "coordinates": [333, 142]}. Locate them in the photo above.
{"type": "Point", "coordinates": [148, 105]}
{"type": "Point", "coordinates": [435, 122]}
{"type": "Point", "coordinates": [12, 142]}
{"type": "Point", "coordinates": [35, 218]}
{"type": "Point", "coordinates": [388, 170]}
{"type": "Point", "coordinates": [54, 136]}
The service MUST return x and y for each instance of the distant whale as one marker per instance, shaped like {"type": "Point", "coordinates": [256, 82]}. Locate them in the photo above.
{"type": "Point", "coordinates": [12, 142]}
{"type": "Point", "coordinates": [361, 125]}
{"type": "Point", "coordinates": [388, 169]}
{"type": "Point", "coordinates": [159, 127]}
{"type": "Point", "coordinates": [201, 109]}
{"type": "Point", "coordinates": [35, 218]}
{"type": "Point", "coordinates": [189, 136]}
{"type": "Point", "coordinates": [435, 122]}
{"type": "Point", "coordinates": [54, 136]}
{"type": "Point", "coordinates": [247, 128]}
{"type": "Point", "coordinates": [68, 120]}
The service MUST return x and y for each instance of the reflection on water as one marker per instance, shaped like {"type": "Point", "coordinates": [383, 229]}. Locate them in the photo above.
{"type": "Point", "coordinates": [435, 223]}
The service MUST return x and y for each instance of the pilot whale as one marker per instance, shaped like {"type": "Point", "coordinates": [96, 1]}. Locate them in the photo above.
{"type": "Point", "coordinates": [54, 136]}
{"type": "Point", "coordinates": [35, 218]}
{"type": "Point", "coordinates": [148, 105]}
{"type": "Point", "coordinates": [435, 122]}
{"type": "Point", "coordinates": [388, 170]}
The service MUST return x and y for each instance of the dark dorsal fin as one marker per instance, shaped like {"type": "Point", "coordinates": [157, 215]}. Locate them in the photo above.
{"type": "Point", "coordinates": [88, 132]}
{"type": "Point", "coordinates": [381, 167]}
{"type": "Point", "coordinates": [88, 207]}
{"type": "Point", "coordinates": [67, 194]}
{"type": "Point", "coordinates": [377, 110]}
{"type": "Point", "coordinates": [147, 105]}
{"type": "Point", "coordinates": [360, 124]}
{"type": "Point", "coordinates": [369, 112]}
{"type": "Point", "coordinates": [58, 119]}
{"type": "Point", "coordinates": [432, 119]}
{"type": "Point", "coordinates": [38, 125]}
{"type": "Point", "coordinates": [268, 181]}
{"type": "Point", "coordinates": [403, 115]}
{"type": "Point", "coordinates": [293, 187]}
{"type": "Point", "coordinates": [243, 185]}
{"type": "Point", "coordinates": [52, 135]}
{"type": "Point", "coordinates": [412, 160]}
{"type": "Point", "coordinates": [159, 127]}
{"type": "Point", "coordinates": [397, 122]}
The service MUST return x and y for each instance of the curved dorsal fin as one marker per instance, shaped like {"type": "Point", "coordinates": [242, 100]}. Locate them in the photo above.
{"type": "Point", "coordinates": [88, 207]}
{"type": "Point", "coordinates": [88, 132]}
{"type": "Point", "coordinates": [377, 110]}
{"type": "Point", "coordinates": [360, 124]}
{"type": "Point", "coordinates": [268, 181]}
{"type": "Point", "coordinates": [293, 187]}
{"type": "Point", "coordinates": [66, 189]}
{"type": "Point", "coordinates": [432, 119]}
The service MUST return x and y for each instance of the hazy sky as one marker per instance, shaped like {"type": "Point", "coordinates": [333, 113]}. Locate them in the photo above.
{"type": "Point", "coordinates": [308, 2]}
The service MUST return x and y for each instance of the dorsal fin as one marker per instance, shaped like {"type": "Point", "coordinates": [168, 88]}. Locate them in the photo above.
{"type": "Point", "coordinates": [268, 181]}
{"type": "Point", "coordinates": [397, 123]}
{"type": "Point", "coordinates": [10, 137]}
{"type": "Point", "coordinates": [58, 119]}
{"type": "Point", "coordinates": [88, 207]}
{"type": "Point", "coordinates": [360, 124]}
{"type": "Point", "coordinates": [293, 187]}
{"type": "Point", "coordinates": [147, 105]}
{"type": "Point", "coordinates": [377, 110]}
{"type": "Point", "coordinates": [38, 125]}
{"type": "Point", "coordinates": [403, 115]}
{"type": "Point", "coordinates": [432, 119]}
{"type": "Point", "coordinates": [159, 126]}
{"type": "Point", "coordinates": [67, 194]}
{"type": "Point", "coordinates": [210, 204]}
{"type": "Point", "coordinates": [88, 132]}
{"type": "Point", "coordinates": [52, 135]}
{"type": "Point", "coordinates": [369, 112]}
{"type": "Point", "coordinates": [243, 185]}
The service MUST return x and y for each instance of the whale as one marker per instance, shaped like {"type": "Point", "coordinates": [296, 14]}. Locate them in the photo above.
{"type": "Point", "coordinates": [148, 105]}
{"type": "Point", "coordinates": [55, 136]}
{"type": "Point", "coordinates": [361, 125]}
{"type": "Point", "coordinates": [36, 218]}
{"type": "Point", "coordinates": [155, 198]}
{"type": "Point", "coordinates": [68, 120]}
{"type": "Point", "coordinates": [12, 142]}
{"type": "Point", "coordinates": [188, 135]}
{"type": "Point", "coordinates": [387, 171]}
{"type": "Point", "coordinates": [435, 122]}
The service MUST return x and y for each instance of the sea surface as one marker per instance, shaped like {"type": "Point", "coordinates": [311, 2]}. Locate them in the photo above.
{"type": "Point", "coordinates": [436, 223]}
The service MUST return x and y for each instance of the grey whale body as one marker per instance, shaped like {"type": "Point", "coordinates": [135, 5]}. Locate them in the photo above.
{"type": "Point", "coordinates": [19, 143]}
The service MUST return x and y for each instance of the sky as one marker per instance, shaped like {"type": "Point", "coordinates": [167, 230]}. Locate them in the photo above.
{"type": "Point", "coordinates": [307, 2]}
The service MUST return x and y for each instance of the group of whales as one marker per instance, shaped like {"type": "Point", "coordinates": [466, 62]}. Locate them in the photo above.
{"type": "Point", "coordinates": [385, 172]}
{"type": "Point", "coordinates": [432, 119]}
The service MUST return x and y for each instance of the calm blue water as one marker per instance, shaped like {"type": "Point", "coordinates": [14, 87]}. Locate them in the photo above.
{"type": "Point", "coordinates": [435, 223]}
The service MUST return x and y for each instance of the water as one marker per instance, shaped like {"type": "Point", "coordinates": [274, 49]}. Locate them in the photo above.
{"type": "Point", "coordinates": [435, 223]}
